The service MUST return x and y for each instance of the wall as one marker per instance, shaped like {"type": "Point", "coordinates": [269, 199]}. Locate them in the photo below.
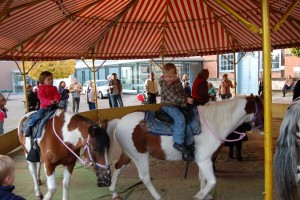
{"type": "Point", "coordinates": [6, 68]}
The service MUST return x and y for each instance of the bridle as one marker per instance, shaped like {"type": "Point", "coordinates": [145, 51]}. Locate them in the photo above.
{"type": "Point", "coordinates": [256, 116]}
{"type": "Point", "coordinates": [89, 160]}
{"type": "Point", "coordinates": [242, 135]}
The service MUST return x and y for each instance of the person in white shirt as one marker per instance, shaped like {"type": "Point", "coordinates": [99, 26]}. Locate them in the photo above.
{"type": "Point", "coordinates": [151, 89]}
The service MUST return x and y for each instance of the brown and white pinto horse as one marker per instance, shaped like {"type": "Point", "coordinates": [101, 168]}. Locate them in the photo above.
{"type": "Point", "coordinates": [63, 136]}
{"type": "Point", "coordinates": [218, 120]}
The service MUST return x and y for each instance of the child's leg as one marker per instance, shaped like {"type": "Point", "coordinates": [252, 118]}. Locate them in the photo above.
{"type": "Point", "coordinates": [179, 129]}
{"type": "Point", "coordinates": [36, 117]}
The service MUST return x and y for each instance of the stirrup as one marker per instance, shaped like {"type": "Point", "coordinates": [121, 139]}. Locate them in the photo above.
{"type": "Point", "coordinates": [188, 156]}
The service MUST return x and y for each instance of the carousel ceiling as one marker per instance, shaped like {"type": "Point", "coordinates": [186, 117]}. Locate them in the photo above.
{"type": "Point", "coordinates": [129, 29]}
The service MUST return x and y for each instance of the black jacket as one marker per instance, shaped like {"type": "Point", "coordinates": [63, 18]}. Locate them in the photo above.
{"type": "Point", "coordinates": [6, 193]}
{"type": "Point", "coordinates": [33, 100]}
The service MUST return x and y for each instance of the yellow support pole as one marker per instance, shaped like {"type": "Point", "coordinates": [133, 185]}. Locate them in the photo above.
{"type": "Point", "coordinates": [252, 27]}
{"type": "Point", "coordinates": [234, 68]}
{"type": "Point", "coordinates": [283, 18]}
{"type": "Point", "coordinates": [95, 84]}
{"type": "Point", "coordinates": [267, 99]}
{"type": "Point", "coordinates": [24, 79]}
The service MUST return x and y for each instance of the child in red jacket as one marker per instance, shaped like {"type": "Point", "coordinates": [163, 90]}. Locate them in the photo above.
{"type": "Point", "coordinates": [48, 95]}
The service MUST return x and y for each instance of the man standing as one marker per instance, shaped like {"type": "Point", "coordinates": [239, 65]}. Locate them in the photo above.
{"type": "Point", "coordinates": [151, 89]}
{"type": "Point", "coordinates": [115, 87]}
{"type": "Point", "coordinates": [75, 89]}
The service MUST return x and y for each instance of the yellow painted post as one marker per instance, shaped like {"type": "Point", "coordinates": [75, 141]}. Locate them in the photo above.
{"type": "Point", "coordinates": [267, 99]}
{"type": "Point", "coordinates": [95, 84]}
{"type": "Point", "coordinates": [234, 68]}
{"type": "Point", "coordinates": [25, 82]}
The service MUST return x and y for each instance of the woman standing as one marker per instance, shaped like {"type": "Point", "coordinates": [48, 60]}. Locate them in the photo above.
{"type": "Point", "coordinates": [64, 95]}
{"type": "Point", "coordinates": [91, 96]}
{"type": "Point", "coordinates": [224, 89]}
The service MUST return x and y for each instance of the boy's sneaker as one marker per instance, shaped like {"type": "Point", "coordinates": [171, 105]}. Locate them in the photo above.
{"type": "Point", "coordinates": [28, 131]}
{"type": "Point", "coordinates": [180, 147]}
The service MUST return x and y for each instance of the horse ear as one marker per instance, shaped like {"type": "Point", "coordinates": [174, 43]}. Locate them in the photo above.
{"type": "Point", "coordinates": [251, 95]}
{"type": "Point", "coordinates": [104, 124]}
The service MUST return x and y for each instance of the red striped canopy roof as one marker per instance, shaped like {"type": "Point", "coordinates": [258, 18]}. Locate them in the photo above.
{"type": "Point", "coordinates": [127, 29]}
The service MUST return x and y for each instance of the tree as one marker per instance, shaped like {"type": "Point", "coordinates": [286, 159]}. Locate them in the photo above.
{"type": "Point", "coordinates": [59, 69]}
{"type": "Point", "coordinates": [296, 51]}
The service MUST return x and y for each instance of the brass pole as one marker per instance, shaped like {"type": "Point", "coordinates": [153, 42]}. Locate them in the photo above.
{"type": "Point", "coordinates": [95, 84]}
{"type": "Point", "coordinates": [24, 79]}
{"type": "Point", "coordinates": [267, 99]}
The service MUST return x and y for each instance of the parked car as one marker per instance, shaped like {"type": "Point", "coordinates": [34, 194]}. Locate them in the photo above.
{"type": "Point", "coordinates": [102, 88]}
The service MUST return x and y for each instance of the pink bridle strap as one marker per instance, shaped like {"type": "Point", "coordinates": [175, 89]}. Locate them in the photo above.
{"type": "Point", "coordinates": [87, 162]}
{"type": "Point", "coordinates": [242, 135]}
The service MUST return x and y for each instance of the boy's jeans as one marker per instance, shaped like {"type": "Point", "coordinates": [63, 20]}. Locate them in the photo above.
{"type": "Point", "coordinates": [179, 121]}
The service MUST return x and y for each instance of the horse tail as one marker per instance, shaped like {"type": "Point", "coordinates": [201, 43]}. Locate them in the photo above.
{"type": "Point", "coordinates": [285, 158]}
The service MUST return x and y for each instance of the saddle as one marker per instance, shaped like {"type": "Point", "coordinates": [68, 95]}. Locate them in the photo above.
{"type": "Point", "coordinates": [160, 123]}
{"type": "Point", "coordinates": [162, 116]}
{"type": "Point", "coordinates": [37, 129]}
{"type": "Point", "coordinates": [34, 153]}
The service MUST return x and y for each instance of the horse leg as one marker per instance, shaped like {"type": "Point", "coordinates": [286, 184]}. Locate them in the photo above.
{"type": "Point", "coordinates": [142, 165]}
{"type": "Point", "coordinates": [39, 173]}
{"type": "Point", "coordinates": [50, 174]}
{"type": "Point", "coordinates": [206, 176]}
{"type": "Point", "coordinates": [231, 146]}
{"type": "Point", "coordinates": [122, 162]}
{"type": "Point", "coordinates": [238, 146]}
{"type": "Point", "coordinates": [66, 181]}
{"type": "Point", "coordinates": [33, 171]}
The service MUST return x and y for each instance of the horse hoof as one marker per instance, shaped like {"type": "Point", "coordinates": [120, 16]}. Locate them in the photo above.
{"type": "Point", "coordinates": [40, 197]}
{"type": "Point", "coordinates": [209, 197]}
{"type": "Point", "coordinates": [118, 198]}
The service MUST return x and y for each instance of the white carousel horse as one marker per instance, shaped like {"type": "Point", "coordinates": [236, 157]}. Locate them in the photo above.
{"type": "Point", "coordinates": [218, 120]}
{"type": "Point", "coordinates": [63, 136]}
{"type": "Point", "coordinates": [287, 155]}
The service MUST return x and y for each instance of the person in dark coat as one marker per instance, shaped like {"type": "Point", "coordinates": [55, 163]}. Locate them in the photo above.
{"type": "Point", "coordinates": [296, 93]}
{"type": "Point", "coordinates": [200, 88]}
{"type": "Point", "coordinates": [7, 177]}
{"type": "Point", "coordinates": [33, 100]}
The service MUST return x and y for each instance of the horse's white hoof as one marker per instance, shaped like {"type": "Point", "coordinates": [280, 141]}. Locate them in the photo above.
{"type": "Point", "coordinates": [208, 197]}
{"type": "Point", "coordinates": [39, 197]}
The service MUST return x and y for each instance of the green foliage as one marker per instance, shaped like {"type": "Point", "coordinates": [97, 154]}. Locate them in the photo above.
{"type": "Point", "coordinates": [59, 69]}
{"type": "Point", "coordinates": [296, 51]}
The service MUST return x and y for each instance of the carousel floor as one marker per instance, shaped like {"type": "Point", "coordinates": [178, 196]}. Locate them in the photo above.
{"type": "Point", "coordinates": [236, 180]}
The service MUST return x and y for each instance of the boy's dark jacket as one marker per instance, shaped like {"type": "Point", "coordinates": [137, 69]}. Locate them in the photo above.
{"type": "Point", "coordinates": [6, 193]}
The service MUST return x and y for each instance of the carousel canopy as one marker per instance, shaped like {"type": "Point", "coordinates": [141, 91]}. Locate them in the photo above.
{"type": "Point", "coordinates": [131, 29]}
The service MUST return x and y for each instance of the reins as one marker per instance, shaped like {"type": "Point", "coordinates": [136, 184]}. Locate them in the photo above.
{"type": "Point", "coordinates": [87, 162]}
{"type": "Point", "coordinates": [242, 135]}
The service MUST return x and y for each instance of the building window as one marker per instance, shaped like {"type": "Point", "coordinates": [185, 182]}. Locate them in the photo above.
{"type": "Point", "coordinates": [275, 59]}
{"type": "Point", "coordinates": [226, 62]}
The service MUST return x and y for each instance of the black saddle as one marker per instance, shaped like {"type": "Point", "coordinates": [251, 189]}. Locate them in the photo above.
{"type": "Point", "coordinates": [162, 116]}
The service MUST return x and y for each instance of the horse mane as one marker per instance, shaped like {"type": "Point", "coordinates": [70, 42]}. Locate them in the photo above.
{"type": "Point", "coordinates": [220, 110]}
{"type": "Point", "coordinates": [100, 134]}
{"type": "Point", "coordinates": [287, 154]}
